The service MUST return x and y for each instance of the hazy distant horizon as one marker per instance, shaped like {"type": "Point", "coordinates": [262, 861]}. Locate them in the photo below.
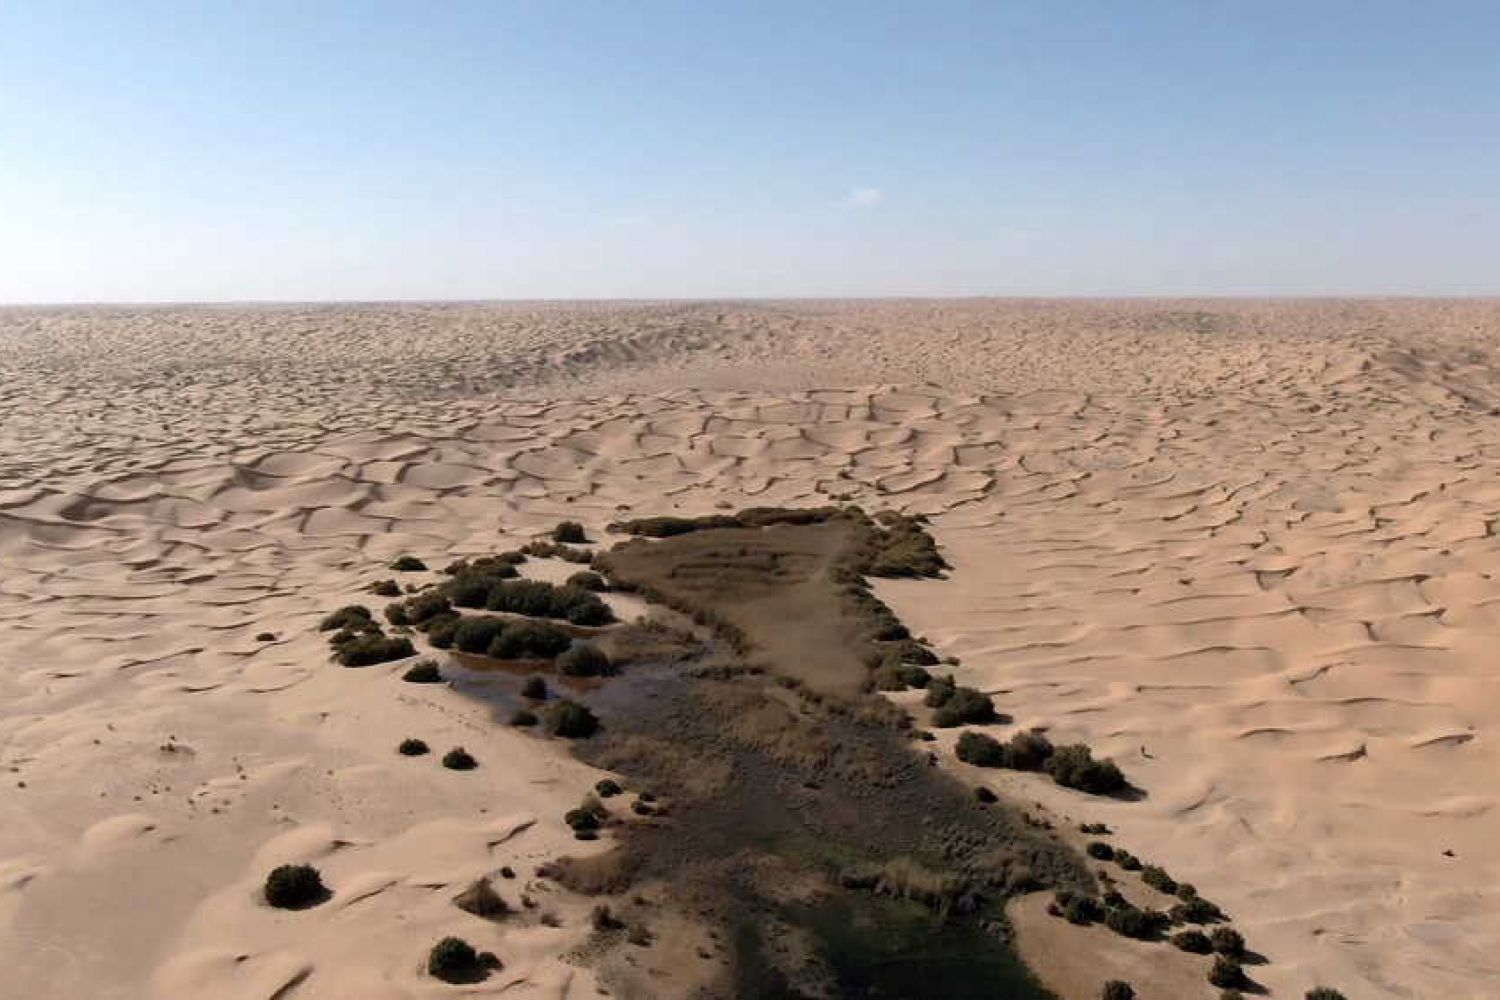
{"type": "Point", "coordinates": [380, 151]}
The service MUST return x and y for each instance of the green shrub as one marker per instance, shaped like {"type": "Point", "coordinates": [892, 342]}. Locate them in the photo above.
{"type": "Point", "coordinates": [475, 635]}
{"type": "Point", "coordinates": [1196, 911]}
{"type": "Point", "coordinates": [1193, 941]}
{"type": "Point", "coordinates": [526, 640]}
{"type": "Point", "coordinates": [1127, 861]}
{"type": "Point", "coordinates": [385, 588]}
{"type": "Point", "coordinates": [584, 660]}
{"type": "Point", "coordinates": [569, 533]}
{"type": "Point", "coordinates": [1028, 751]}
{"type": "Point", "coordinates": [1158, 879]}
{"type": "Point", "coordinates": [352, 616]}
{"type": "Point", "coordinates": [1227, 941]}
{"type": "Point", "coordinates": [423, 672]}
{"type": "Point", "coordinates": [1075, 767]}
{"type": "Point", "coordinates": [965, 706]}
{"type": "Point", "coordinates": [522, 717]}
{"type": "Point", "coordinates": [266, 637]}
{"type": "Point", "coordinates": [1227, 972]}
{"type": "Point", "coordinates": [980, 750]}
{"type": "Point", "coordinates": [453, 960]}
{"type": "Point", "coordinates": [1100, 851]}
{"type": "Point", "coordinates": [535, 688]}
{"type": "Point", "coordinates": [1323, 993]}
{"type": "Point", "coordinates": [442, 630]}
{"type": "Point", "coordinates": [459, 759]}
{"type": "Point", "coordinates": [368, 650]}
{"type": "Point", "coordinates": [570, 719]}
{"type": "Point", "coordinates": [581, 819]}
{"type": "Point", "coordinates": [588, 580]}
{"type": "Point", "coordinates": [424, 608]}
{"type": "Point", "coordinates": [1133, 922]}
{"type": "Point", "coordinates": [293, 887]}
{"type": "Point", "coordinates": [1118, 989]}
{"type": "Point", "coordinates": [939, 691]}
{"type": "Point", "coordinates": [411, 747]}
{"type": "Point", "coordinates": [408, 564]}
{"type": "Point", "coordinates": [984, 795]}
{"type": "Point", "coordinates": [1080, 909]}
{"type": "Point", "coordinates": [396, 615]}
{"type": "Point", "coordinates": [539, 599]}
{"type": "Point", "coordinates": [607, 788]}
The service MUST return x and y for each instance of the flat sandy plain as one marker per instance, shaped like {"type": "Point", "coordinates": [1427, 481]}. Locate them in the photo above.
{"type": "Point", "coordinates": [1247, 548]}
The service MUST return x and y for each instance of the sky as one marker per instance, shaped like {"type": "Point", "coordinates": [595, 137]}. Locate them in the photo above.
{"type": "Point", "coordinates": [302, 151]}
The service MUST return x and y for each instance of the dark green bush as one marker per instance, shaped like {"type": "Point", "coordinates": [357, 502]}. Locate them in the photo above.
{"type": "Point", "coordinates": [424, 608]}
{"type": "Point", "coordinates": [1227, 972]}
{"type": "Point", "coordinates": [964, 707]}
{"type": "Point", "coordinates": [469, 590]}
{"type": "Point", "coordinates": [459, 759]}
{"type": "Point", "coordinates": [371, 649]}
{"type": "Point", "coordinates": [385, 588]}
{"type": "Point", "coordinates": [453, 960]}
{"type": "Point", "coordinates": [980, 750]}
{"type": "Point", "coordinates": [1196, 911]}
{"type": "Point", "coordinates": [1323, 993]}
{"type": "Point", "coordinates": [293, 887]}
{"type": "Point", "coordinates": [1075, 767]}
{"type": "Point", "coordinates": [522, 717]}
{"type": "Point", "coordinates": [535, 688]}
{"type": "Point", "coordinates": [984, 795]}
{"type": "Point", "coordinates": [584, 660]}
{"type": "Point", "coordinates": [441, 630]}
{"type": "Point", "coordinates": [1133, 922]}
{"type": "Point", "coordinates": [527, 640]}
{"type": "Point", "coordinates": [1227, 941]}
{"type": "Point", "coordinates": [411, 747]}
{"type": "Point", "coordinates": [407, 564]}
{"type": "Point", "coordinates": [352, 616]}
{"type": "Point", "coordinates": [266, 637]}
{"type": "Point", "coordinates": [1100, 851]}
{"type": "Point", "coordinates": [569, 533]}
{"type": "Point", "coordinates": [1118, 989]}
{"type": "Point", "coordinates": [607, 788]}
{"type": "Point", "coordinates": [1158, 879]}
{"type": "Point", "coordinates": [581, 819]}
{"type": "Point", "coordinates": [1193, 941]}
{"type": "Point", "coordinates": [939, 691]}
{"type": "Point", "coordinates": [588, 580]}
{"type": "Point", "coordinates": [475, 635]}
{"type": "Point", "coordinates": [570, 719]}
{"type": "Point", "coordinates": [423, 672]}
{"type": "Point", "coordinates": [1082, 910]}
{"type": "Point", "coordinates": [539, 599]}
{"type": "Point", "coordinates": [1127, 861]}
{"type": "Point", "coordinates": [396, 615]}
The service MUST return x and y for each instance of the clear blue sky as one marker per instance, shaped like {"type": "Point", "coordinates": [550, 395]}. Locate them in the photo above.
{"type": "Point", "coordinates": [318, 150]}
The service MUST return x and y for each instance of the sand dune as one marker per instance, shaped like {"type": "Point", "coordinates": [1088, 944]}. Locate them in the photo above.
{"type": "Point", "coordinates": [1246, 548]}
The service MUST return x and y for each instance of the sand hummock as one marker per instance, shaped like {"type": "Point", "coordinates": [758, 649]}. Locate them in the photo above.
{"type": "Point", "coordinates": [1245, 548]}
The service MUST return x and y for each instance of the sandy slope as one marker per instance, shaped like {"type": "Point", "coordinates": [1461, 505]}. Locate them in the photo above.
{"type": "Point", "coordinates": [1247, 548]}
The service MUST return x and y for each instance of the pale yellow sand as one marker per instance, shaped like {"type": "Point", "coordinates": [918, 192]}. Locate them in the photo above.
{"type": "Point", "coordinates": [1246, 548]}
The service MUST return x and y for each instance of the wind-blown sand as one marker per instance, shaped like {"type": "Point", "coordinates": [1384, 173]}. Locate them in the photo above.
{"type": "Point", "coordinates": [1246, 548]}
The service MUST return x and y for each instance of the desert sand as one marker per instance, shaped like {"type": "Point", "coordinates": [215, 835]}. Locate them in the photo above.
{"type": "Point", "coordinates": [1246, 548]}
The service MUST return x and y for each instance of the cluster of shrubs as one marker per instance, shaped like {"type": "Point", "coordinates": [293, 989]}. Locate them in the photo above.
{"type": "Point", "coordinates": [423, 672]}
{"type": "Point", "coordinates": [586, 820]}
{"type": "Point", "coordinates": [491, 585]}
{"type": "Point", "coordinates": [459, 759]}
{"type": "Point", "coordinates": [898, 545]}
{"type": "Point", "coordinates": [1117, 989]}
{"type": "Point", "coordinates": [751, 517]}
{"type": "Point", "coordinates": [408, 564]}
{"type": "Point", "coordinates": [569, 533]}
{"type": "Point", "coordinates": [957, 705]}
{"type": "Point", "coordinates": [558, 550]}
{"type": "Point", "coordinates": [1071, 766]}
{"type": "Point", "coordinates": [501, 638]}
{"type": "Point", "coordinates": [358, 640]}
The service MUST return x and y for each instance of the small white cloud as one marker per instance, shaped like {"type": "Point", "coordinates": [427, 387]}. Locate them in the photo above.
{"type": "Point", "coordinates": [863, 197]}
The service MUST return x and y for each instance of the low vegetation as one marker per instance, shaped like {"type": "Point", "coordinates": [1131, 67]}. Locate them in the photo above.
{"type": "Point", "coordinates": [535, 688]}
{"type": "Point", "coordinates": [459, 759]}
{"type": "Point", "coordinates": [294, 887]}
{"type": "Point", "coordinates": [412, 747]}
{"type": "Point", "coordinates": [584, 660]}
{"type": "Point", "coordinates": [1194, 941]}
{"type": "Point", "coordinates": [569, 533]}
{"type": "Point", "coordinates": [454, 960]}
{"type": "Point", "coordinates": [423, 672]}
{"type": "Point", "coordinates": [1117, 989]}
{"type": "Point", "coordinates": [570, 720]}
{"type": "Point", "coordinates": [368, 650]}
{"type": "Point", "coordinates": [1228, 973]}
{"type": "Point", "coordinates": [408, 564]}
